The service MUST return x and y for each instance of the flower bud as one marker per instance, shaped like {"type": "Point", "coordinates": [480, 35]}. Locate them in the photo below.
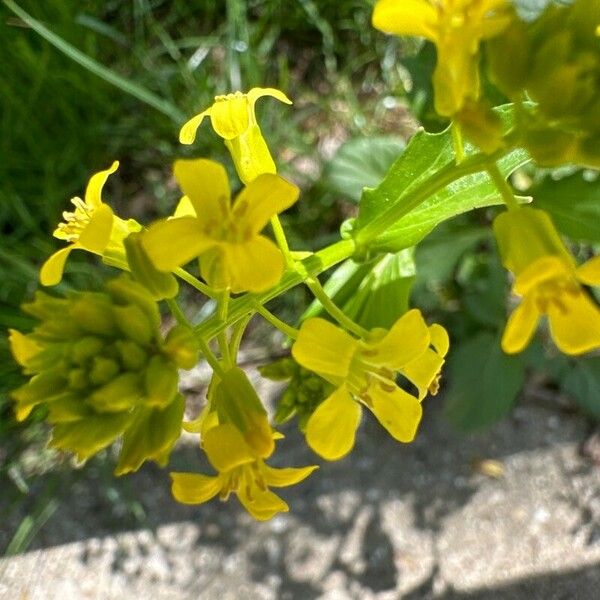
{"type": "Point", "coordinates": [100, 366]}
{"type": "Point", "coordinates": [238, 402]}
{"type": "Point", "coordinates": [182, 347]}
{"type": "Point", "coordinates": [160, 284]}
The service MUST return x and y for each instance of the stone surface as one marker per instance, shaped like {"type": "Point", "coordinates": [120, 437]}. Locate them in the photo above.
{"type": "Point", "coordinates": [391, 521]}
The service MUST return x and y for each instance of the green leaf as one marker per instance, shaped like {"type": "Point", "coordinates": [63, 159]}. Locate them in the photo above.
{"type": "Point", "coordinates": [425, 156]}
{"type": "Point", "coordinates": [484, 291]}
{"type": "Point", "coordinates": [573, 203]}
{"type": "Point", "coordinates": [151, 436]}
{"type": "Point", "coordinates": [484, 382]}
{"type": "Point", "coordinates": [437, 256]}
{"type": "Point", "coordinates": [360, 163]}
{"type": "Point", "coordinates": [383, 295]}
{"type": "Point", "coordinates": [583, 383]}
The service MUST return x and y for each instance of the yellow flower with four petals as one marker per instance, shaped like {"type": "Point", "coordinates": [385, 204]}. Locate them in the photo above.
{"type": "Point", "coordinates": [456, 27]}
{"type": "Point", "coordinates": [365, 372]}
{"type": "Point", "coordinates": [549, 282]}
{"type": "Point", "coordinates": [240, 472]}
{"type": "Point", "coordinates": [225, 235]}
{"type": "Point", "coordinates": [92, 226]}
{"type": "Point", "coordinates": [233, 118]}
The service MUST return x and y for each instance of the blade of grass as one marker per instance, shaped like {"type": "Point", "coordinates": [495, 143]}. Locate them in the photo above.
{"type": "Point", "coordinates": [133, 89]}
{"type": "Point", "coordinates": [30, 526]}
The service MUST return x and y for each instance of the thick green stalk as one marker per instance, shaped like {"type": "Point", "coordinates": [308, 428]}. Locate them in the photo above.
{"type": "Point", "coordinates": [244, 305]}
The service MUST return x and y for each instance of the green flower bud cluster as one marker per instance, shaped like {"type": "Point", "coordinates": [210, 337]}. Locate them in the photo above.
{"type": "Point", "coordinates": [303, 394]}
{"type": "Point", "coordinates": [554, 61]}
{"type": "Point", "coordinates": [102, 368]}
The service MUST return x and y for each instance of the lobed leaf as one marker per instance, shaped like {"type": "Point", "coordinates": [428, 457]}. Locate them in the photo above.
{"type": "Point", "coordinates": [426, 155]}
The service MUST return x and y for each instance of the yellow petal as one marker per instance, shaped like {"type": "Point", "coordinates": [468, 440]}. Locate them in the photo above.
{"type": "Point", "coordinates": [193, 488]}
{"type": "Point", "coordinates": [324, 348]}
{"type": "Point", "coordinates": [251, 155]}
{"type": "Point", "coordinates": [423, 370]}
{"type": "Point", "coordinates": [184, 208]}
{"type": "Point", "coordinates": [439, 339]}
{"type": "Point", "coordinates": [263, 198]}
{"type": "Point", "coordinates": [539, 271]}
{"type": "Point", "coordinates": [174, 242]}
{"type": "Point", "coordinates": [213, 268]}
{"type": "Point", "coordinates": [575, 325]}
{"type": "Point", "coordinates": [253, 266]}
{"type": "Point", "coordinates": [521, 326]}
{"type": "Point", "coordinates": [589, 272]}
{"type": "Point", "coordinates": [187, 134]}
{"type": "Point", "coordinates": [230, 115]}
{"type": "Point", "coordinates": [96, 234]}
{"type": "Point", "coordinates": [331, 429]}
{"type": "Point", "coordinates": [255, 93]}
{"type": "Point", "coordinates": [52, 270]}
{"type": "Point", "coordinates": [206, 184]}
{"type": "Point", "coordinates": [262, 505]}
{"type": "Point", "coordinates": [22, 347]}
{"type": "Point", "coordinates": [207, 419]}
{"type": "Point", "coordinates": [406, 17]}
{"type": "Point", "coordinates": [287, 476]}
{"type": "Point", "coordinates": [226, 448]}
{"type": "Point", "coordinates": [93, 192]}
{"type": "Point", "coordinates": [524, 236]}
{"type": "Point", "coordinates": [398, 411]}
{"type": "Point", "coordinates": [456, 77]}
{"type": "Point", "coordinates": [408, 337]}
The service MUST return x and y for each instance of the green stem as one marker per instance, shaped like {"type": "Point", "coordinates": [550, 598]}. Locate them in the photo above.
{"type": "Point", "coordinates": [210, 358]}
{"type": "Point", "coordinates": [503, 187]}
{"type": "Point", "coordinates": [276, 321]}
{"type": "Point", "coordinates": [457, 142]}
{"type": "Point", "coordinates": [445, 176]}
{"type": "Point", "coordinates": [222, 308]}
{"type": "Point", "coordinates": [239, 308]}
{"type": "Point", "coordinates": [337, 313]}
{"type": "Point", "coordinates": [281, 240]}
{"type": "Point", "coordinates": [177, 312]}
{"type": "Point", "coordinates": [195, 282]}
{"type": "Point", "coordinates": [237, 334]}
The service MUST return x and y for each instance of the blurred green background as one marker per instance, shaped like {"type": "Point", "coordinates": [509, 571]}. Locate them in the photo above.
{"type": "Point", "coordinates": [61, 122]}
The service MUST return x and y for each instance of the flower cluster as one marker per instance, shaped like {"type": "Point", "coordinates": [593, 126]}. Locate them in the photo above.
{"type": "Point", "coordinates": [100, 366]}
{"type": "Point", "coordinates": [555, 62]}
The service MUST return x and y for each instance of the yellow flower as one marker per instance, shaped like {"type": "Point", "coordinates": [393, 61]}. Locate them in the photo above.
{"type": "Point", "coordinates": [456, 27]}
{"type": "Point", "coordinates": [233, 118]}
{"type": "Point", "coordinates": [549, 281]}
{"type": "Point", "coordinates": [226, 237]}
{"type": "Point", "coordinates": [364, 372]}
{"type": "Point", "coordinates": [92, 226]}
{"type": "Point", "coordinates": [239, 472]}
